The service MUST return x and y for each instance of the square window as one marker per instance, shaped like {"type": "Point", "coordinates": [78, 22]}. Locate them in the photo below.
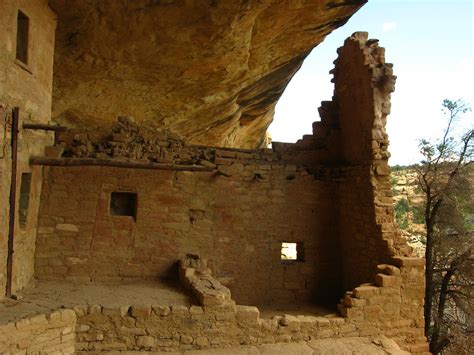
{"type": "Point", "coordinates": [22, 34]}
{"type": "Point", "coordinates": [123, 204]}
{"type": "Point", "coordinates": [291, 251]}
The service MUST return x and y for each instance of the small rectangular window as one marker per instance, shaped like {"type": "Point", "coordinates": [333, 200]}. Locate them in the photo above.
{"type": "Point", "coordinates": [123, 204]}
{"type": "Point", "coordinates": [22, 31]}
{"type": "Point", "coordinates": [25, 187]}
{"type": "Point", "coordinates": [292, 251]}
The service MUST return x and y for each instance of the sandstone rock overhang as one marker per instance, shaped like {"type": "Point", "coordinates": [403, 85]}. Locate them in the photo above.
{"type": "Point", "coordinates": [211, 71]}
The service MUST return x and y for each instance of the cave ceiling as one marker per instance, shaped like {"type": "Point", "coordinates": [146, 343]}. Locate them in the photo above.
{"type": "Point", "coordinates": [210, 71]}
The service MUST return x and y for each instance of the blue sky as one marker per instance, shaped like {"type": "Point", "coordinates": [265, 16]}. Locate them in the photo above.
{"type": "Point", "coordinates": [430, 43]}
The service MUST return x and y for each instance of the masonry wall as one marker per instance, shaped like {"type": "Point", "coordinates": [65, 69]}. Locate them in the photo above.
{"type": "Point", "coordinates": [50, 333]}
{"type": "Point", "coordinates": [29, 88]}
{"type": "Point", "coordinates": [217, 322]}
{"type": "Point", "coordinates": [357, 116]}
{"type": "Point", "coordinates": [237, 222]}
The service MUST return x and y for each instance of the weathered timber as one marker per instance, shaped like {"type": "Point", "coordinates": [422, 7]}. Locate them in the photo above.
{"type": "Point", "coordinates": [125, 163]}
{"type": "Point", "coordinates": [11, 225]}
{"type": "Point", "coordinates": [44, 127]}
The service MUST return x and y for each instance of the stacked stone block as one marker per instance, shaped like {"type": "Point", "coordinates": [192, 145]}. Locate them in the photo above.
{"type": "Point", "coordinates": [52, 333]}
{"type": "Point", "coordinates": [196, 276]}
{"type": "Point", "coordinates": [392, 303]}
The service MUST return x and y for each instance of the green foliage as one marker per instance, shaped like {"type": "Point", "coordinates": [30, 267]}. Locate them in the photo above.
{"type": "Point", "coordinates": [401, 213]}
{"type": "Point", "coordinates": [418, 214]}
{"type": "Point", "coordinates": [393, 180]}
{"type": "Point", "coordinates": [396, 168]}
{"type": "Point", "coordinates": [446, 182]}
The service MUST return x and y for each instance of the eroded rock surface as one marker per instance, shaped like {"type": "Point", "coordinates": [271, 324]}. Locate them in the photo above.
{"type": "Point", "coordinates": [212, 71]}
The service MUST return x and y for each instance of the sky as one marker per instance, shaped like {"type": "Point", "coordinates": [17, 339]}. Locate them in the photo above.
{"type": "Point", "coordinates": [430, 43]}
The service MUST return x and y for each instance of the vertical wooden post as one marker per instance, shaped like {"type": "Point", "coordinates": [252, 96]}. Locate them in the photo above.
{"type": "Point", "coordinates": [11, 226]}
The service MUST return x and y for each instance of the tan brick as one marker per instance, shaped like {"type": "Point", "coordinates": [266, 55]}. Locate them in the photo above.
{"type": "Point", "coordinates": [366, 291]}
{"type": "Point", "coordinates": [145, 342]}
{"type": "Point", "coordinates": [140, 311]}
{"type": "Point", "coordinates": [64, 227]}
{"type": "Point", "coordinates": [247, 314]}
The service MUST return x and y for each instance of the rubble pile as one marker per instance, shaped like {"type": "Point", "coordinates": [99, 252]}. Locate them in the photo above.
{"type": "Point", "coordinates": [128, 140]}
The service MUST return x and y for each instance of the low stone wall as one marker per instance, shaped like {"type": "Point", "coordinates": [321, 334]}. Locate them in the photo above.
{"type": "Point", "coordinates": [162, 328]}
{"type": "Point", "coordinates": [52, 333]}
{"type": "Point", "coordinates": [369, 310]}
{"type": "Point", "coordinates": [392, 303]}
{"type": "Point", "coordinates": [387, 307]}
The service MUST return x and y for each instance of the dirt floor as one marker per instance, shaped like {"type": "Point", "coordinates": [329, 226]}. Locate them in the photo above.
{"type": "Point", "coordinates": [42, 297]}
{"type": "Point", "coordinates": [45, 296]}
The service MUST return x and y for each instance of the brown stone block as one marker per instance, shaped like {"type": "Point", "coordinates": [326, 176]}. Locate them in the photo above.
{"type": "Point", "coordinates": [161, 311]}
{"type": "Point", "coordinates": [225, 153]}
{"type": "Point", "coordinates": [186, 339]}
{"type": "Point", "coordinates": [366, 291]}
{"type": "Point", "coordinates": [242, 155]}
{"type": "Point", "coordinates": [356, 302]}
{"type": "Point", "coordinates": [387, 281]}
{"type": "Point", "coordinates": [409, 261]}
{"type": "Point", "coordinates": [419, 348]}
{"type": "Point", "coordinates": [108, 346]}
{"type": "Point", "coordinates": [388, 269]}
{"type": "Point", "coordinates": [223, 161]}
{"type": "Point", "coordinates": [201, 341]}
{"type": "Point", "coordinates": [382, 170]}
{"type": "Point", "coordinates": [247, 314]}
{"type": "Point", "coordinates": [145, 342]}
{"type": "Point", "coordinates": [165, 342]}
{"type": "Point", "coordinates": [94, 309]}
{"type": "Point", "coordinates": [391, 309]}
{"type": "Point", "coordinates": [351, 313]}
{"type": "Point", "coordinates": [196, 310]}
{"type": "Point", "coordinates": [373, 312]}
{"type": "Point", "coordinates": [347, 328]}
{"type": "Point", "coordinates": [325, 333]}
{"type": "Point", "coordinates": [179, 311]}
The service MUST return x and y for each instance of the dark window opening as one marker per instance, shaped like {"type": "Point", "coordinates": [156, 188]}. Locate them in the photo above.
{"type": "Point", "coordinates": [292, 251]}
{"type": "Point", "coordinates": [23, 25]}
{"type": "Point", "coordinates": [123, 204]}
{"type": "Point", "coordinates": [25, 187]}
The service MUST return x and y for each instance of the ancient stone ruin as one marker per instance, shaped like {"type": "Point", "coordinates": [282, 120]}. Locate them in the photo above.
{"type": "Point", "coordinates": [142, 211]}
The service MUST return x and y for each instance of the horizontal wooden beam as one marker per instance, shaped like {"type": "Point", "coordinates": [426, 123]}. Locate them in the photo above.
{"type": "Point", "coordinates": [116, 163]}
{"type": "Point", "coordinates": [43, 127]}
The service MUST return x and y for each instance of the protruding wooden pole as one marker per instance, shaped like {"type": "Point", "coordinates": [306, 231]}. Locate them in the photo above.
{"type": "Point", "coordinates": [116, 163]}
{"type": "Point", "coordinates": [11, 226]}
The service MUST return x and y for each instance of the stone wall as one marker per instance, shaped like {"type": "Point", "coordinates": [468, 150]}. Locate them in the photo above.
{"type": "Point", "coordinates": [393, 303]}
{"type": "Point", "coordinates": [352, 135]}
{"type": "Point", "coordinates": [236, 216]}
{"type": "Point", "coordinates": [51, 333]}
{"type": "Point", "coordinates": [27, 86]}
{"type": "Point", "coordinates": [370, 311]}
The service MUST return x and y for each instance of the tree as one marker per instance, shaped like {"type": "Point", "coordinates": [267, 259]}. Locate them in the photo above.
{"type": "Point", "coordinates": [445, 177]}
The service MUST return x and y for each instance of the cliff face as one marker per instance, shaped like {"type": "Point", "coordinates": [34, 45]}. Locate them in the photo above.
{"type": "Point", "coordinates": [211, 71]}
